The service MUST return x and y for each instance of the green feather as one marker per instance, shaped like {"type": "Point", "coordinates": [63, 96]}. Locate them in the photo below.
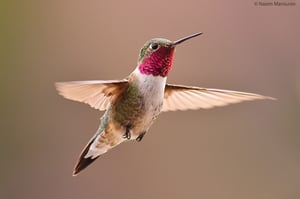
{"type": "Point", "coordinates": [129, 106]}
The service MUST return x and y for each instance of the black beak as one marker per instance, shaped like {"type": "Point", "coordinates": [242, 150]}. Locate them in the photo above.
{"type": "Point", "coordinates": [179, 41]}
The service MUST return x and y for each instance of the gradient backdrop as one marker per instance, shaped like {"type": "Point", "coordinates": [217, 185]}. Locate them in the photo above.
{"type": "Point", "coordinates": [245, 151]}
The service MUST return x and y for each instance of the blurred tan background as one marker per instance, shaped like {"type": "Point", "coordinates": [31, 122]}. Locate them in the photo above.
{"type": "Point", "coordinates": [249, 150]}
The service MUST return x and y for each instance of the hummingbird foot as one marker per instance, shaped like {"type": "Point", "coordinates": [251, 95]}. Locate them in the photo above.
{"type": "Point", "coordinates": [127, 134]}
{"type": "Point", "coordinates": [140, 137]}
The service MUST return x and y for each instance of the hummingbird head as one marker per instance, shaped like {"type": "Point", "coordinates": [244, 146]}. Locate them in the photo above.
{"type": "Point", "coordinates": [156, 56]}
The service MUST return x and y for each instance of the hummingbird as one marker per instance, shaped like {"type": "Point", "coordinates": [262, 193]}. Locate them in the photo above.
{"type": "Point", "coordinates": [132, 104]}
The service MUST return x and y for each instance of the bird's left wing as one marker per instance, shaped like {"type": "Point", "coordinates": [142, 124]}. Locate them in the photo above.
{"type": "Point", "coordinates": [178, 97]}
{"type": "Point", "coordinates": [96, 93]}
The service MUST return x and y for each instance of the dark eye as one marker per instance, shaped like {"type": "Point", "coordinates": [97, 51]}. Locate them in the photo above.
{"type": "Point", "coordinates": [153, 46]}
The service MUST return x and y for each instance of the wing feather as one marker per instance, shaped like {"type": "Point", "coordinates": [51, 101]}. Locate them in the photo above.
{"type": "Point", "coordinates": [97, 93]}
{"type": "Point", "coordinates": [178, 97]}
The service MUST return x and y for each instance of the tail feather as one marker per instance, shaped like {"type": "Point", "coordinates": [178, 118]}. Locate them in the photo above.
{"type": "Point", "coordinates": [83, 161]}
{"type": "Point", "coordinates": [98, 145]}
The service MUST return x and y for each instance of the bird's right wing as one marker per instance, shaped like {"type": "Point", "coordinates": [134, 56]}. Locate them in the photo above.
{"type": "Point", "coordinates": [96, 93]}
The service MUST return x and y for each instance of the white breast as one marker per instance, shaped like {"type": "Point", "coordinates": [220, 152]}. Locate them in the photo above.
{"type": "Point", "coordinates": [152, 88]}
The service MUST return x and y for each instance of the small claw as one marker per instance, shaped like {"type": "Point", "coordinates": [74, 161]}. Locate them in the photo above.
{"type": "Point", "coordinates": [140, 137]}
{"type": "Point", "coordinates": [127, 134]}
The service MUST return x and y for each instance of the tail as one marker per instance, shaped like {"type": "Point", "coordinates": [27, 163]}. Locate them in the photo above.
{"type": "Point", "coordinates": [98, 145]}
{"type": "Point", "coordinates": [83, 162]}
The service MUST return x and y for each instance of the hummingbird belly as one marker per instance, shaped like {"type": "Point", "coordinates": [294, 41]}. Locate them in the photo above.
{"type": "Point", "coordinates": [143, 123]}
{"type": "Point", "coordinates": [140, 104]}
{"type": "Point", "coordinates": [138, 116]}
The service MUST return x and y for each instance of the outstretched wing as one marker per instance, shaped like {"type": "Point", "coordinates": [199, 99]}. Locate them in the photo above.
{"type": "Point", "coordinates": [96, 93]}
{"type": "Point", "coordinates": [178, 97]}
